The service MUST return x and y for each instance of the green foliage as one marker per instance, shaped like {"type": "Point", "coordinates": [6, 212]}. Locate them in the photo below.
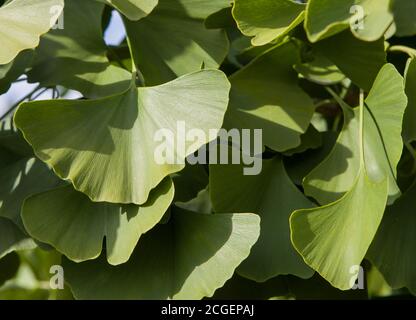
{"type": "Point", "coordinates": [332, 92]}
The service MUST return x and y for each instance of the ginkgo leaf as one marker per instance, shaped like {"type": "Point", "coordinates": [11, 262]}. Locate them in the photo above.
{"type": "Point", "coordinates": [358, 60]}
{"type": "Point", "coordinates": [267, 20]}
{"type": "Point", "coordinates": [133, 9]}
{"type": "Point", "coordinates": [334, 239]}
{"type": "Point", "coordinates": [367, 19]}
{"type": "Point", "coordinates": [265, 94]}
{"type": "Point", "coordinates": [385, 106]}
{"type": "Point", "coordinates": [108, 147]}
{"type": "Point", "coordinates": [76, 56]}
{"type": "Point", "coordinates": [232, 191]}
{"type": "Point", "coordinates": [409, 129]}
{"type": "Point", "coordinates": [23, 22]}
{"type": "Point", "coordinates": [173, 41]}
{"type": "Point", "coordinates": [392, 250]}
{"type": "Point", "coordinates": [188, 258]}
{"type": "Point", "coordinates": [73, 224]}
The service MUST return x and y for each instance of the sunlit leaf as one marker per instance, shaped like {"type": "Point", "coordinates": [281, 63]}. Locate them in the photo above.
{"type": "Point", "coordinates": [113, 139]}
{"type": "Point", "coordinates": [188, 258]}
{"type": "Point", "coordinates": [23, 22]}
{"type": "Point", "coordinates": [333, 239]}
{"type": "Point", "coordinates": [383, 117]}
{"type": "Point", "coordinates": [76, 226]}
{"type": "Point", "coordinates": [133, 9]}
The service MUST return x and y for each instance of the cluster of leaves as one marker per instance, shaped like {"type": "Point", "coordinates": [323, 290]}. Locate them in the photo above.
{"type": "Point", "coordinates": [80, 186]}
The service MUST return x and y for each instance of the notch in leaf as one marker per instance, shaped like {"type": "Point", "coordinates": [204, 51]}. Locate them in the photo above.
{"type": "Point", "coordinates": [188, 258]}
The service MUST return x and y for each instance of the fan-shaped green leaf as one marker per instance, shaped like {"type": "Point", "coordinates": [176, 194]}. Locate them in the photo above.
{"type": "Point", "coordinates": [273, 253]}
{"type": "Point", "coordinates": [188, 258]}
{"type": "Point", "coordinates": [23, 22]}
{"type": "Point", "coordinates": [106, 147]}
{"type": "Point", "coordinates": [76, 226]}
{"type": "Point", "coordinates": [334, 239]}
{"type": "Point", "coordinates": [383, 118]}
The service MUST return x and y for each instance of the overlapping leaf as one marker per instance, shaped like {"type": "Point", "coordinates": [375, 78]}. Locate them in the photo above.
{"type": "Point", "coordinates": [367, 19]}
{"type": "Point", "coordinates": [21, 179]}
{"type": "Point", "coordinates": [76, 56]}
{"type": "Point", "coordinates": [265, 95]}
{"type": "Point", "coordinates": [273, 197]}
{"type": "Point", "coordinates": [106, 147]}
{"type": "Point", "coordinates": [333, 239]}
{"type": "Point", "coordinates": [133, 9]}
{"type": "Point", "coordinates": [320, 70]}
{"type": "Point", "coordinates": [76, 226]}
{"type": "Point", "coordinates": [23, 22]}
{"type": "Point", "coordinates": [383, 143]}
{"type": "Point", "coordinates": [358, 60]}
{"type": "Point", "coordinates": [173, 41]}
{"type": "Point", "coordinates": [267, 20]}
{"type": "Point", "coordinates": [392, 250]}
{"type": "Point", "coordinates": [20, 175]}
{"type": "Point", "coordinates": [188, 258]}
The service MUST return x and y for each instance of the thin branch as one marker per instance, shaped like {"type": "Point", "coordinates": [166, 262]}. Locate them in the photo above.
{"type": "Point", "coordinates": [28, 96]}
